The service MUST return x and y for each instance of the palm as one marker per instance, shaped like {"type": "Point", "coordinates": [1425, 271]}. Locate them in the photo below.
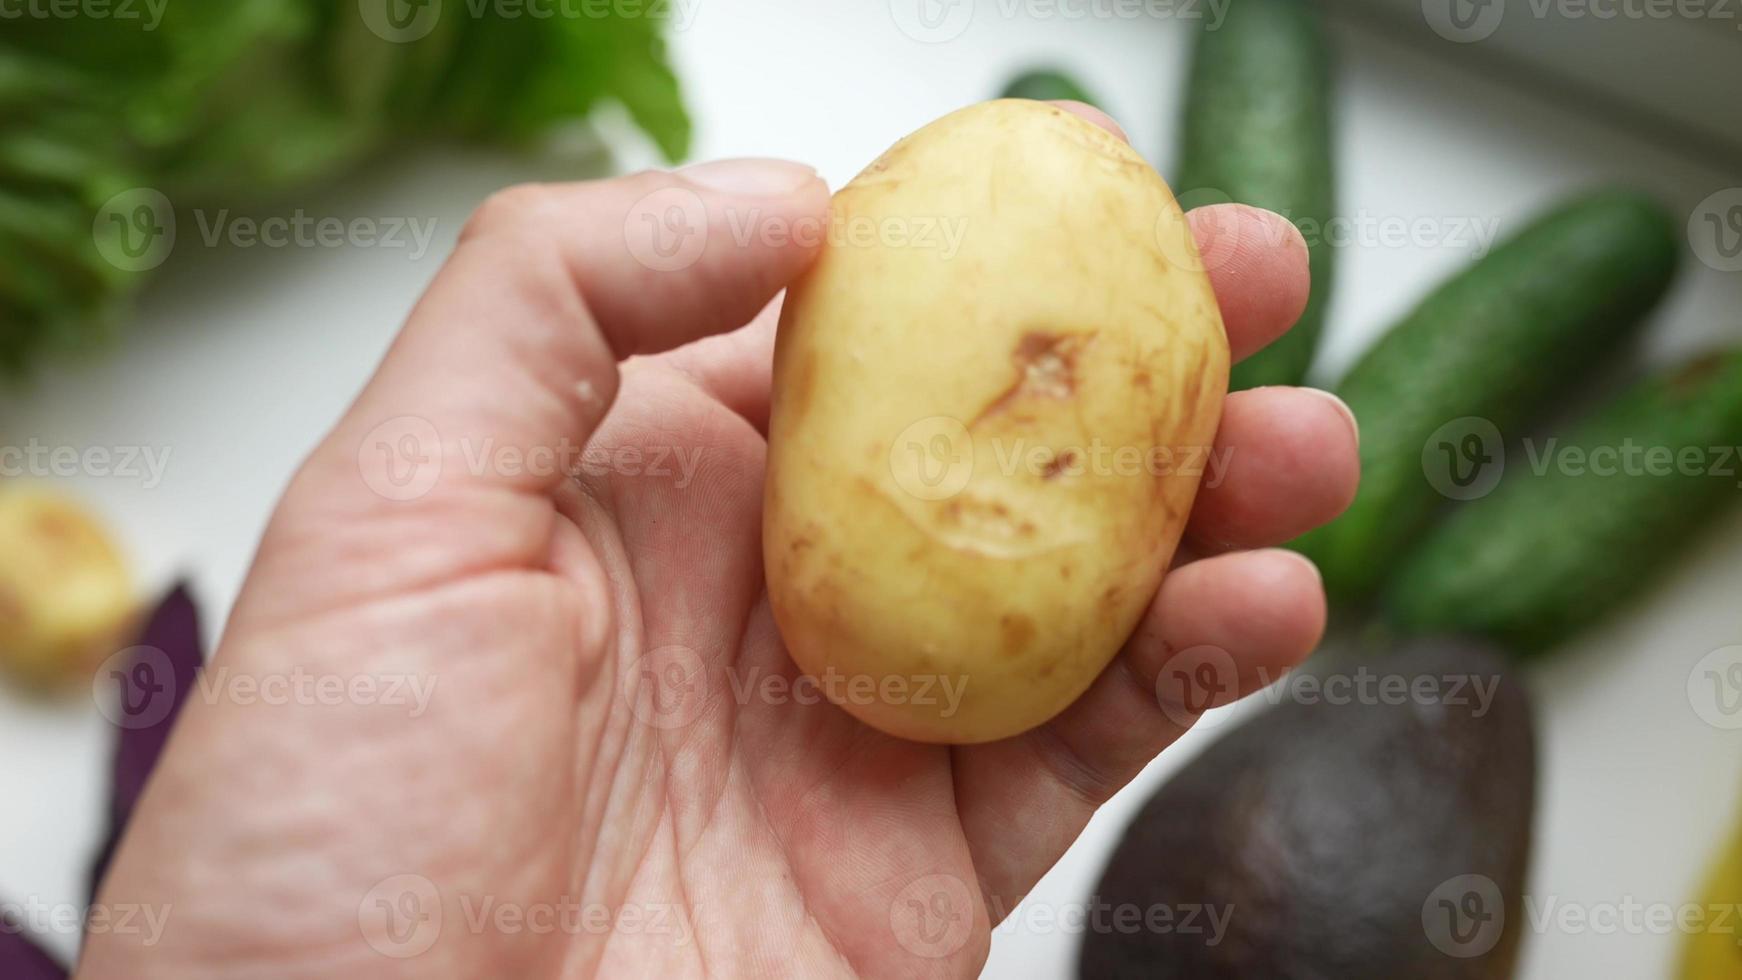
{"type": "Point", "coordinates": [761, 810]}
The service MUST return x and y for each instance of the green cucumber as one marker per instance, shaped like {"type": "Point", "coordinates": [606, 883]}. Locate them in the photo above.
{"type": "Point", "coordinates": [1045, 85]}
{"type": "Point", "coordinates": [1579, 525]}
{"type": "Point", "coordinates": [1257, 130]}
{"type": "Point", "coordinates": [1498, 342]}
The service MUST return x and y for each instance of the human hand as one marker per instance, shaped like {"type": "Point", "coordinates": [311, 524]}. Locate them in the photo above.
{"type": "Point", "coordinates": [599, 782]}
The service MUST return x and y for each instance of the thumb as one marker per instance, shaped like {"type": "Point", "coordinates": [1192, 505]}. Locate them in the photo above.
{"type": "Point", "coordinates": [512, 353]}
{"type": "Point", "coordinates": [508, 363]}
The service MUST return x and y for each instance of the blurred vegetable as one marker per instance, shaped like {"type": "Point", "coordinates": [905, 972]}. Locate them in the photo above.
{"type": "Point", "coordinates": [172, 637]}
{"type": "Point", "coordinates": [1345, 834]}
{"type": "Point", "coordinates": [233, 99]}
{"type": "Point", "coordinates": [1713, 949]}
{"type": "Point", "coordinates": [1479, 358]}
{"type": "Point", "coordinates": [1257, 130]}
{"type": "Point", "coordinates": [1044, 85]}
{"type": "Point", "coordinates": [21, 959]}
{"type": "Point", "coordinates": [65, 598]}
{"type": "Point", "coordinates": [1579, 525]}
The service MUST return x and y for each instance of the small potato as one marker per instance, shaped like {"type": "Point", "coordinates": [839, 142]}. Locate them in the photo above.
{"type": "Point", "coordinates": [65, 597]}
{"type": "Point", "coordinates": [993, 396]}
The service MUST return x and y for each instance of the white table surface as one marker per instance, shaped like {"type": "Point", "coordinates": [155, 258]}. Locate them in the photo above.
{"type": "Point", "coordinates": [238, 359]}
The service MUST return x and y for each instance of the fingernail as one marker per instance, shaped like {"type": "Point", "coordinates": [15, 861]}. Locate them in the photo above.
{"type": "Point", "coordinates": [1302, 559]}
{"type": "Point", "coordinates": [750, 176]}
{"type": "Point", "coordinates": [1342, 406]}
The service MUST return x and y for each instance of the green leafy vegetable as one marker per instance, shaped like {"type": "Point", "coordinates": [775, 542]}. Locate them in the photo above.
{"type": "Point", "coordinates": [210, 102]}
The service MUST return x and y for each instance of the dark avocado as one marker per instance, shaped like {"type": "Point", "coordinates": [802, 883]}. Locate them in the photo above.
{"type": "Point", "coordinates": [1340, 835]}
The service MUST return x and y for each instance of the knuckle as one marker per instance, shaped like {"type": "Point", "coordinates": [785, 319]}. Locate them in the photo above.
{"type": "Point", "coordinates": [515, 208]}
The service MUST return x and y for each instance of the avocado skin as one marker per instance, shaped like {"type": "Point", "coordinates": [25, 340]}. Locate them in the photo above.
{"type": "Point", "coordinates": [1326, 828]}
{"type": "Point", "coordinates": [1507, 337]}
{"type": "Point", "coordinates": [1257, 131]}
{"type": "Point", "coordinates": [1543, 557]}
{"type": "Point", "coordinates": [1045, 85]}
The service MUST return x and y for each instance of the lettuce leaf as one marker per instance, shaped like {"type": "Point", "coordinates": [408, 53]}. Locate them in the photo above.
{"type": "Point", "coordinates": [215, 102]}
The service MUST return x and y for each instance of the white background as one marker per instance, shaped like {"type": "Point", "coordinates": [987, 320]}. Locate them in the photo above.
{"type": "Point", "coordinates": [238, 359]}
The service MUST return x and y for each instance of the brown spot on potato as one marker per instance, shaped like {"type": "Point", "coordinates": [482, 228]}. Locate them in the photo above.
{"type": "Point", "coordinates": [1046, 367]}
{"type": "Point", "coordinates": [1057, 465]}
{"type": "Point", "coordinates": [1141, 379]}
{"type": "Point", "coordinates": [1018, 632]}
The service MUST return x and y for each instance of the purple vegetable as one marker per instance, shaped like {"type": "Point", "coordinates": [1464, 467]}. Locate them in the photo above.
{"type": "Point", "coordinates": [21, 959]}
{"type": "Point", "coordinates": [153, 687]}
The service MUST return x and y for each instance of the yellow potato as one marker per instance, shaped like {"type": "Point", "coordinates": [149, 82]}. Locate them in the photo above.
{"type": "Point", "coordinates": [1712, 949]}
{"type": "Point", "coordinates": [993, 396]}
{"type": "Point", "coordinates": [65, 597]}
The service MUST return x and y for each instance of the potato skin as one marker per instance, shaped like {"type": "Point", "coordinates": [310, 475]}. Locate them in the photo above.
{"type": "Point", "coordinates": [967, 503]}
